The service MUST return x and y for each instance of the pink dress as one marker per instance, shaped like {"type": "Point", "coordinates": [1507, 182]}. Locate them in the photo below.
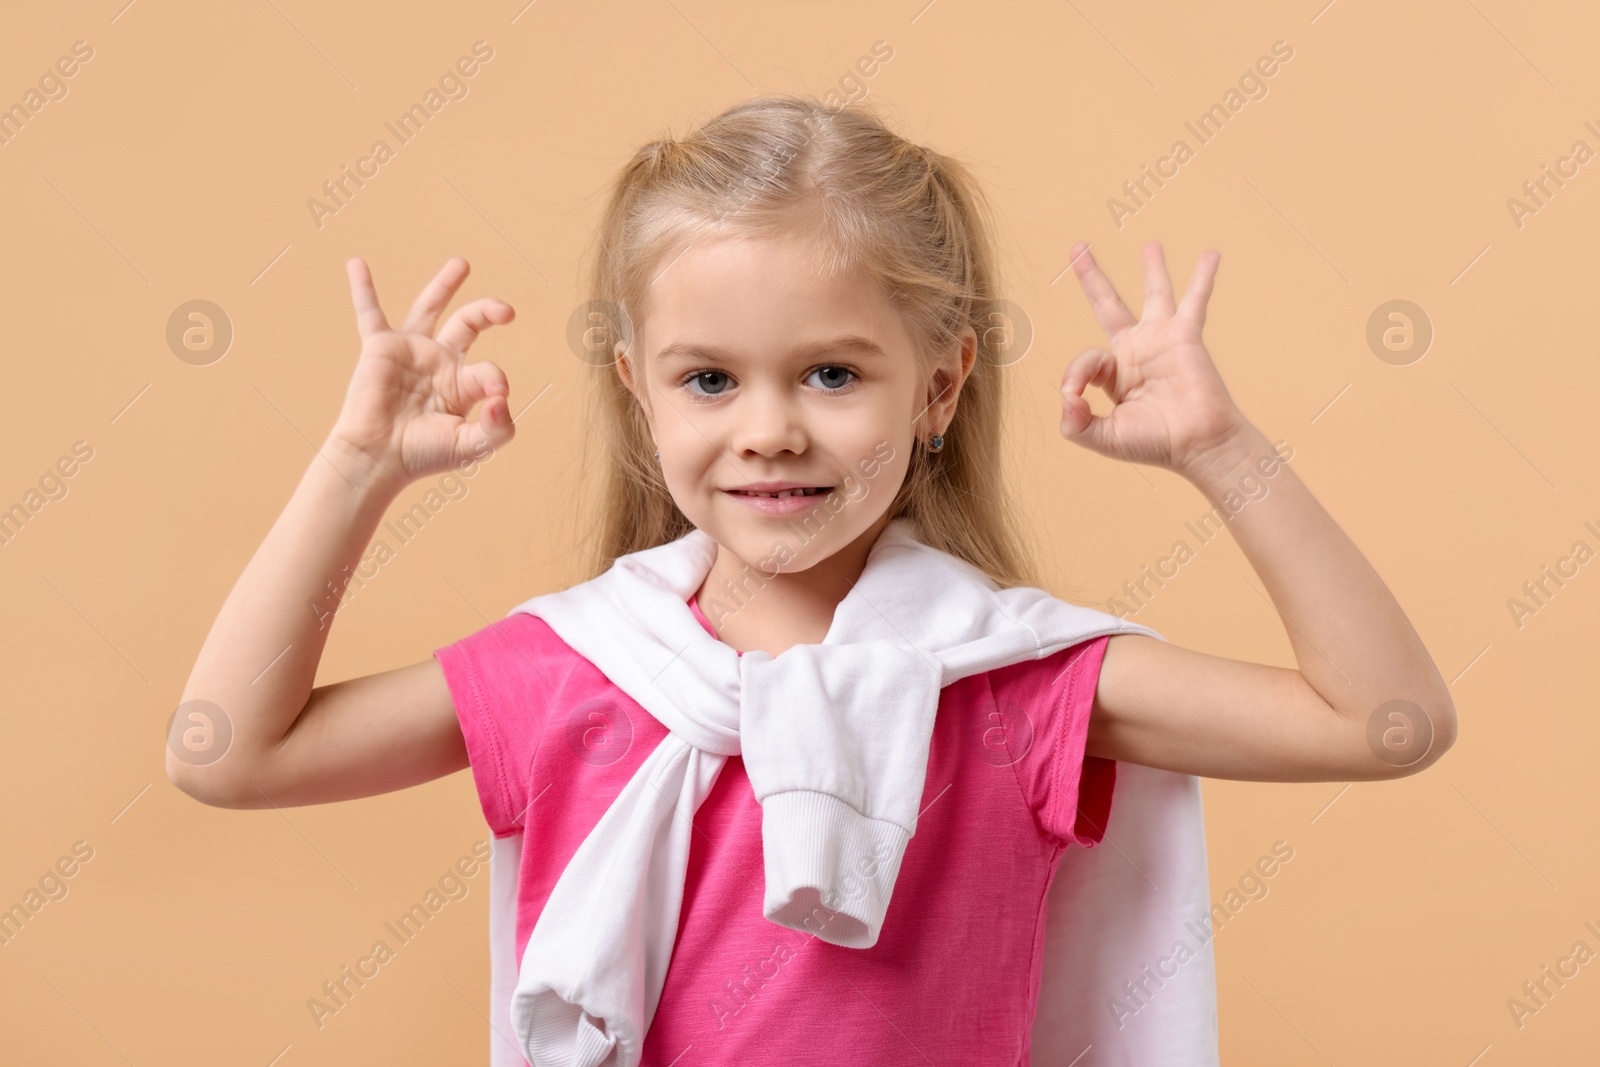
{"type": "Point", "coordinates": [954, 977]}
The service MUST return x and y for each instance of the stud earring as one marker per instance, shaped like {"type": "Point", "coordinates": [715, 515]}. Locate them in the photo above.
{"type": "Point", "coordinates": [936, 442]}
{"type": "Point", "coordinates": [658, 455]}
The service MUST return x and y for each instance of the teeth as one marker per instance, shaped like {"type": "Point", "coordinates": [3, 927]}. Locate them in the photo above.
{"type": "Point", "coordinates": [786, 493]}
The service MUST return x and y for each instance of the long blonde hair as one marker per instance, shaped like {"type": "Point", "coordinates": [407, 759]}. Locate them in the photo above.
{"type": "Point", "coordinates": [913, 218]}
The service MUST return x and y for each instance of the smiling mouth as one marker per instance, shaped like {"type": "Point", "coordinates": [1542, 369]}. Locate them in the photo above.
{"type": "Point", "coordinates": [815, 491]}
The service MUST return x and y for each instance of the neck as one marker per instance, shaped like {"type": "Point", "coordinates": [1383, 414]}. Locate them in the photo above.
{"type": "Point", "coordinates": [772, 612]}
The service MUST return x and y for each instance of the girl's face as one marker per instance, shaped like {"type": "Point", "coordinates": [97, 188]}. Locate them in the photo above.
{"type": "Point", "coordinates": [759, 377]}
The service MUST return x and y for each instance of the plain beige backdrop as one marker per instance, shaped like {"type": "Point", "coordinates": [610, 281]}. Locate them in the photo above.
{"type": "Point", "coordinates": [1377, 167]}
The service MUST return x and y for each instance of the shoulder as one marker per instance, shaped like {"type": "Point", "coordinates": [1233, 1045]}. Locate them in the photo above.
{"type": "Point", "coordinates": [1055, 693]}
{"type": "Point", "coordinates": [509, 681]}
{"type": "Point", "coordinates": [505, 676]}
{"type": "Point", "coordinates": [517, 650]}
{"type": "Point", "coordinates": [1046, 675]}
{"type": "Point", "coordinates": [1041, 714]}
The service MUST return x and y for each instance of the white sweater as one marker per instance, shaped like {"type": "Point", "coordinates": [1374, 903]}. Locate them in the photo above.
{"type": "Point", "coordinates": [834, 738]}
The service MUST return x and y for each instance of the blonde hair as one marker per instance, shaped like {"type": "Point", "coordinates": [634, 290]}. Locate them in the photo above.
{"type": "Point", "coordinates": [911, 217]}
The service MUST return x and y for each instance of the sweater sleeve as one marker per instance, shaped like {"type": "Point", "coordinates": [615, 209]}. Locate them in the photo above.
{"type": "Point", "coordinates": [1051, 699]}
{"type": "Point", "coordinates": [500, 681]}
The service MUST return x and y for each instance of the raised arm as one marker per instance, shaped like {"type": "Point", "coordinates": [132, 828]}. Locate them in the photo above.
{"type": "Point", "coordinates": [403, 418]}
{"type": "Point", "coordinates": [1367, 701]}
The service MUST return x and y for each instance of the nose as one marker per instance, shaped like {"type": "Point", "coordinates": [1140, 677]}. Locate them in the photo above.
{"type": "Point", "coordinates": [769, 419]}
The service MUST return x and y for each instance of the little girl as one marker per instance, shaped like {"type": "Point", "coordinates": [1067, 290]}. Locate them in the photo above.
{"type": "Point", "coordinates": [811, 667]}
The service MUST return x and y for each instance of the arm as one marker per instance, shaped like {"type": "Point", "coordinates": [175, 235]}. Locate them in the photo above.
{"type": "Point", "coordinates": [1165, 706]}
{"type": "Point", "coordinates": [292, 744]}
{"type": "Point", "coordinates": [1367, 701]}
{"type": "Point", "coordinates": [403, 418]}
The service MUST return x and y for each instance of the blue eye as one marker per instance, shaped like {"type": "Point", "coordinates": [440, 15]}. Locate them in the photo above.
{"type": "Point", "coordinates": [709, 383]}
{"type": "Point", "coordinates": [836, 378]}
{"type": "Point", "coordinates": [699, 376]}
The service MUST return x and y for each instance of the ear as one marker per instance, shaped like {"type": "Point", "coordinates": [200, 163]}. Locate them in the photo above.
{"type": "Point", "coordinates": [624, 370]}
{"type": "Point", "coordinates": [630, 381]}
{"type": "Point", "coordinates": [634, 385]}
{"type": "Point", "coordinates": [949, 375]}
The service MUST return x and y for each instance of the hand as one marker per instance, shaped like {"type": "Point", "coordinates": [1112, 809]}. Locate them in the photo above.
{"type": "Point", "coordinates": [404, 415]}
{"type": "Point", "coordinates": [1170, 406]}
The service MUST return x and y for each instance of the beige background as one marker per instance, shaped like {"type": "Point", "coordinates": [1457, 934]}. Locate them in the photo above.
{"type": "Point", "coordinates": [1377, 168]}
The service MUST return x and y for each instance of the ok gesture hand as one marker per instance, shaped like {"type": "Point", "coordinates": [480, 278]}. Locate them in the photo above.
{"type": "Point", "coordinates": [404, 414]}
{"type": "Point", "coordinates": [1171, 408]}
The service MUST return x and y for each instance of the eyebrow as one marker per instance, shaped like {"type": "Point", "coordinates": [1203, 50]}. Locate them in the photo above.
{"type": "Point", "coordinates": [713, 354]}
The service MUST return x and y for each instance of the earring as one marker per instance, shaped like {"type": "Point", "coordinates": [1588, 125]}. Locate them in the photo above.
{"type": "Point", "coordinates": [658, 455]}
{"type": "Point", "coordinates": [936, 442]}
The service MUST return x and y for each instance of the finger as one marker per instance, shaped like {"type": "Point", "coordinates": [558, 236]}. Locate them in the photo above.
{"type": "Point", "coordinates": [1109, 310]}
{"type": "Point", "coordinates": [1157, 286]}
{"type": "Point", "coordinates": [424, 314]}
{"type": "Point", "coordinates": [469, 320]}
{"type": "Point", "coordinates": [1205, 273]}
{"type": "Point", "coordinates": [482, 380]}
{"type": "Point", "coordinates": [492, 430]}
{"type": "Point", "coordinates": [1083, 427]}
{"type": "Point", "coordinates": [1097, 367]}
{"type": "Point", "coordinates": [1093, 366]}
{"type": "Point", "coordinates": [369, 316]}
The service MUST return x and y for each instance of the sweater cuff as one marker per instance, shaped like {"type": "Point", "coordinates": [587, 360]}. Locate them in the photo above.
{"type": "Point", "coordinates": [830, 869]}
